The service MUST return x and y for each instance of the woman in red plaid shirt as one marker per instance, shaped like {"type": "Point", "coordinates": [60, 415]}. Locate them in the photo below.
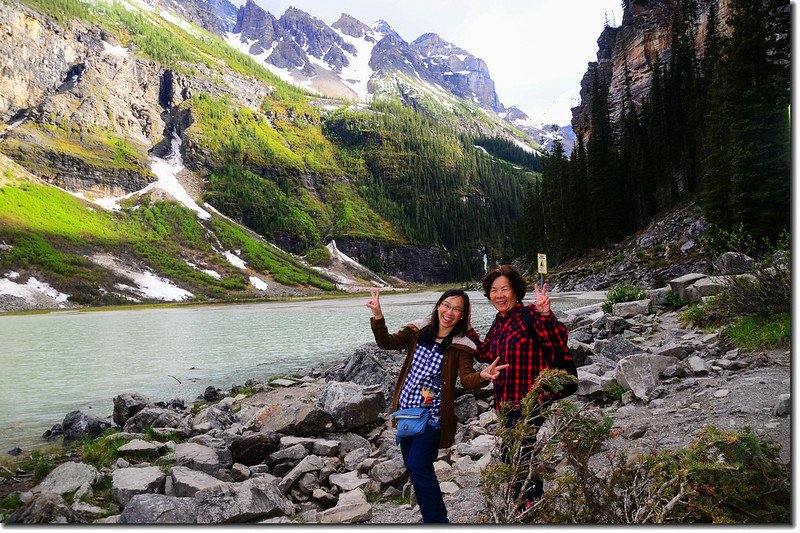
{"type": "Point", "coordinates": [526, 353]}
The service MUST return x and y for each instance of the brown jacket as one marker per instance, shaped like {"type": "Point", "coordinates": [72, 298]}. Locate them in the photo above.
{"type": "Point", "coordinates": [457, 360]}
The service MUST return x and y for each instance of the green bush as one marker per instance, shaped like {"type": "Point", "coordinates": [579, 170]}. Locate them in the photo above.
{"type": "Point", "coordinates": [674, 300]}
{"type": "Point", "coordinates": [319, 256]}
{"type": "Point", "coordinates": [623, 293]}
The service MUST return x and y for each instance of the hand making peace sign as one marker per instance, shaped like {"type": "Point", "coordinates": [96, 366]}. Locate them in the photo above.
{"type": "Point", "coordinates": [374, 304]}
{"type": "Point", "coordinates": [492, 371]}
{"type": "Point", "coordinates": [542, 304]}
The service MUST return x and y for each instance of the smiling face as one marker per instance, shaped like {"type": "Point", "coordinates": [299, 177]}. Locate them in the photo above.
{"type": "Point", "coordinates": [450, 312]}
{"type": "Point", "coordinates": [502, 295]}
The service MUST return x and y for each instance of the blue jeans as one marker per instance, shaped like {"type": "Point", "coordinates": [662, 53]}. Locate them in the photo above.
{"type": "Point", "coordinates": [419, 454]}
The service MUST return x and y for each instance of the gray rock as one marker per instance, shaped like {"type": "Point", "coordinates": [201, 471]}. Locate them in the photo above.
{"type": "Point", "coordinates": [351, 508]}
{"type": "Point", "coordinates": [708, 286]}
{"type": "Point", "coordinates": [388, 472]}
{"type": "Point", "coordinates": [465, 408]}
{"type": "Point", "coordinates": [682, 284]}
{"type": "Point", "coordinates": [68, 477]}
{"type": "Point", "coordinates": [590, 383]}
{"type": "Point", "coordinates": [253, 449]}
{"type": "Point", "coordinates": [292, 453]}
{"type": "Point", "coordinates": [354, 458]}
{"type": "Point", "coordinates": [349, 406]}
{"type": "Point", "coordinates": [672, 349]}
{"type": "Point", "coordinates": [155, 417]}
{"type": "Point", "coordinates": [128, 482]}
{"type": "Point", "coordinates": [141, 448]}
{"type": "Point", "coordinates": [619, 347]}
{"type": "Point", "coordinates": [126, 405]}
{"type": "Point", "coordinates": [325, 447]}
{"type": "Point", "coordinates": [581, 335]}
{"type": "Point", "coordinates": [478, 446]}
{"type": "Point", "coordinates": [698, 365]}
{"type": "Point", "coordinates": [254, 499]}
{"type": "Point", "coordinates": [631, 309]}
{"type": "Point", "coordinates": [733, 263]}
{"type": "Point", "coordinates": [783, 406]}
{"type": "Point", "coordinates": [213, 417]}
{"type": "Point", "coordinates": [159, 509]}
{"type": "Point", "coordinates": [197, 457]}
{"type": "Point", "coordinates": [659, 296]}
{"type": "Point", "coordinates": [186, 482]}
{"type": "Point", "coordinates": [296, 411]}
{"type": "Point", "coordinates": [46, 508]}
{"type": "Point", "coordinates": [77, 425]}
{"type": "Point", "coordinates": [640, 372]}
{"type": "Point", "coordinates": [347, 481]}
{"type": "Point", "coordinates": [616, 324]}
{"type": "Point", "coordinates": [240, 472]}
{"type": "Point", "coordinates": [312, 463]}
{"type": "Point", "coordinates": [443, 470]}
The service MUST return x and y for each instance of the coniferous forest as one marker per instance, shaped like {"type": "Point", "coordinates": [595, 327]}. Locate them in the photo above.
{"type": "Point", "coordinates": [715, 128]}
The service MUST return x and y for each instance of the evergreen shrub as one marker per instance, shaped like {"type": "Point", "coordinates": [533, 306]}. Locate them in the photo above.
{"type": "Point", "coordinates": [623, 293]}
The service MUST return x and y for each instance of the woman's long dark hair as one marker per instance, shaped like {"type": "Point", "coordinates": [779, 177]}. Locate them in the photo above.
{"type": "Point", "coordinates": [431, 331]}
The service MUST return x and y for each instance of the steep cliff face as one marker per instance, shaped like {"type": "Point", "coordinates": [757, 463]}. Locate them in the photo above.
{"type": "Point", "coordinates": [86, 111]}
{"type": "Point", "coordinates": [644, 35]}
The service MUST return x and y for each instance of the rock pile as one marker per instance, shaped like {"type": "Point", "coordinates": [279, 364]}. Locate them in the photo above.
{"type": "Point", "coordinates": [321, 449]}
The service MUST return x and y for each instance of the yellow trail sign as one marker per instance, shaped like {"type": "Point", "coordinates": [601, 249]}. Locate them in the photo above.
{"type": "Point", "coordinates": [542, 259]}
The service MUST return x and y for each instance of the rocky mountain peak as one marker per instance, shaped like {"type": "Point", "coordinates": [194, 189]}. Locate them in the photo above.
{"type": "Point", "coordinates": [253, 23]}
{"type": "Point", "coordinates": [353, 27]}
{"type": "Point", "coordinates": [381, 26]}
{"type": "Point", "coordinates": [514, 113]}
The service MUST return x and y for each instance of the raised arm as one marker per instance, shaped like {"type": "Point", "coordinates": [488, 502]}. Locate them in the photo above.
{"type": "Point", "coordinates": [385, 340]}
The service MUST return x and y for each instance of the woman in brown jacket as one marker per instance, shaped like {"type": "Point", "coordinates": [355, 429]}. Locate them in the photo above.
{"type": "Point", "coordinates": [436, 351]}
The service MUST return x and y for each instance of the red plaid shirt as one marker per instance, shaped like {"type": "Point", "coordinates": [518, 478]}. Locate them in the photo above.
{"type": "Point", "coordinates": [527, 355]}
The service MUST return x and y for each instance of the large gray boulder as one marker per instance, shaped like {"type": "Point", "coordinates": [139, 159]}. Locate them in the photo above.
{"type": "Point", "coordinates": [157, 417]}
{"type": "Point", "coordinates": [351, 405]}
{"type": "Point", "coordinates": [128, 404]}
{"type": "Point", "coordinates": [253, 449]}
{"type": "Point", "coordinates": [187, 482]}
{"type": "Point", "coordinates": [78, 425]}
{"type": "Point", "coordinates": [618, 347]}
{"type": "Point", "coordinates": [640, 372]}
{"type": "Point", "coordinates": [733, 263]}
{"type": "Point", "coordinates": [219, 416]}
{"type": "Point", "coordinates": [466, 408]}
{"type": "Point", "coordinates": [159, 509]}
{"type": "Point", "coordinates": [46, 508]}
{"type": "Point", "coordinates": [68, 477]}
{"type": "Point", "coordinates": [197, 457]}
{"type": "Point", "coordinates": [352, 507]}
{"type": "Point", "coordinates": [348, 480]}
{"type": "Point", "coordinates": [128, 482]}
{"type": "Point", "coordinates": [631, 309]}
{"type": "Point", "coordinates": [682, 284]}
{"type": "Point", "coordinates": [291, 411]}
{"type": "Point", "coordinates": [254, 499]}
{"type": "Point", "coordinates": [370, 366]}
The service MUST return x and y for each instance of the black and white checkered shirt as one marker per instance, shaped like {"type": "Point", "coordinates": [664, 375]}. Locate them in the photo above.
{"type": "Point", "coordinates": [425, 371]}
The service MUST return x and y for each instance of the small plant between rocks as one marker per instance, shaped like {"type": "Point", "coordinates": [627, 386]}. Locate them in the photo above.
{"type": "Point", "coordinates": [622, 293]}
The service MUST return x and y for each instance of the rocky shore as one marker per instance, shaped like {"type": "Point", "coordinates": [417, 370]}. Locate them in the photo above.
{"type": "Point", "coordinates": [319, 448]}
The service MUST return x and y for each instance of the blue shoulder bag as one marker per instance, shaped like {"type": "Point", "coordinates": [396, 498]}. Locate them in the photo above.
{"type": "Point", "coordinates": [411, 421]}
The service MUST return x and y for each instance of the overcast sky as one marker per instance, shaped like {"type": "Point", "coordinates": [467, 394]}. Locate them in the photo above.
{"type": "Point", "coordinates": [536, 50]}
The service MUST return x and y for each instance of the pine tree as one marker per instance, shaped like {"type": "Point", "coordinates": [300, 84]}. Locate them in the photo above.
{"type": "Point", "coordinates": [749, 145]}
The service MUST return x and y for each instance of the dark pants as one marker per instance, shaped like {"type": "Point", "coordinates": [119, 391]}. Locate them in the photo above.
{"type": "Point", "coordinates": [536, 487]}
{"type": "Point", "coordinates": [419, 454]}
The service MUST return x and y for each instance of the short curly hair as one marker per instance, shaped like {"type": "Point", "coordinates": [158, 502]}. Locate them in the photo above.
{"type": "Point", "coordinates": [517, 281]}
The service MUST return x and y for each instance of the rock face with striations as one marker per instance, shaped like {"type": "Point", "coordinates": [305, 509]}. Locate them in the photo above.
{"type": "Point", "coordinates": [643, 36]}
{"type": "Point", "coordinates": [412, 263]}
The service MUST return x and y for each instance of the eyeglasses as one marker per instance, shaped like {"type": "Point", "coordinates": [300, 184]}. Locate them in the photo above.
{"type": "Point", "coordinates": [448, 307]}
